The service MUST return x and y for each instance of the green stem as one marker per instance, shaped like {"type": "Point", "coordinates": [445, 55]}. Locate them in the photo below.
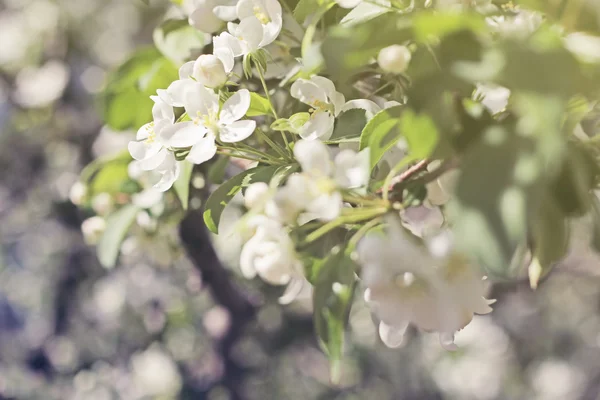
{"type": "Point", "coordinates": [352, 218]}
{"type": "Point", "coordinates": [386, 184]}
{"type": "Point", "coordinates": [235, 155]}
{"type": "Point", "coordinates": [268, 95]}
{"type": "Point", "coordinates": [362, 232]}
{"type": "Point", "coordinates": [274, 145]}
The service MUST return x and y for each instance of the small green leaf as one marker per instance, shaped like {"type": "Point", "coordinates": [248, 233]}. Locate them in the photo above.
{"type": "Point", "coordinates": [227, 190]}
{"type": "Point", "coordinates": [381, 133]}
{"type": "Point", "coordinates": [117, 226]}
{"type": "Point", "coordinates": [332, 299]}
{"type": "Point", "coordinates": [182, 184]}
{"type": "Point", "coordinates": [258, 106]}
{"type": "Point", "coordinates": [126, 101]}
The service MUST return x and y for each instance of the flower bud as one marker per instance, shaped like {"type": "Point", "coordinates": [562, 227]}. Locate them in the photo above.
{"type": "Point", "coordinates": [394, 59]}
{"type": "Point", "coordinates": [209, 71]}
{"type": "Point", "coordinates": [78, 193]}
{"type": "Point", "coordinates": [102, 203]}
{"type": "Point", "coordinates": [92, 229]}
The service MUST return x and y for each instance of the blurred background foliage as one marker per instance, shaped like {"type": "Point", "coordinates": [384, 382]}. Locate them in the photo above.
{"type": "Point", "coordinates": [152, 328]}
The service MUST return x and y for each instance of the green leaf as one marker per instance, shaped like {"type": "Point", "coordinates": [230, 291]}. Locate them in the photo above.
{"type": "Point", "coordinates": [550, 235]}
{"type": "Point", "coordinates": [178, 40]}
{"type": "Point", "coordinates": [381, 133]}
{"type": "Point", "coordinates": [182, 184]}
{"type": "Point", "coordinates": [109, 175]}
{"type": "Point", "coordinates": [304, 8]}
{"type": "Point", "coordinates": [346, 49]}
{"type": "Point", "coordinates": [332, 299]}
{"type": "Point", "coordinates": [117, 226]}
{"type": "Point", "coordinates": [494, 196]}
{"type": "Point", "coordinates": [258, 106]}
{"type": "Point", "coordinates": [227, 190]}
{"type": "Point", "coordinates": [420, 133]}
{"type": "Point", "coordinates": [126, 101]}
{"type": "Point", "coordinates": [348, 125]}
{"type": "Point", "coordinates": [363, 13]}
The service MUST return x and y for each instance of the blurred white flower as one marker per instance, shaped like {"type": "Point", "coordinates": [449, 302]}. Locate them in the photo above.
{"type": "Point", "coordinates": [394, 59]}
{"type": "Point", "coordinates": [435, 290]}
{"type": "Point", "coordinates": [78, 193]}
{"type": "Point", "coordinates": [102, 203]}
{"type": "Point", "coordinates": [495, 98]}
{"type": "Point", "coordinates": [326, 103]}
{"type": "Point", "coordinates": [155, 373]}
{"type": "Point", "coordinates": [348, 3]}
{"type": "Point", "coordinates": [270, 254]}
{"type": "Point", "coordinates": [584, 46]}
{"type": "Point", "coordinates": [267, 12]}
{"type": "Point", "coordinates": [92, 229]}
{"type": "Point", "coordinates": [205, 15]}
{"type": "Point", "coordinates": [38, 87]}
{"type": "Point", "coordinates": [147, 198]}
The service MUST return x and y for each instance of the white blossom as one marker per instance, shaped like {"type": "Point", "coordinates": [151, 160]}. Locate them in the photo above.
{"type": "Point", "coordinates": [436, 289]}
{"type": "Point", "coordinates": [210, 71]}
{"type": "Point", "coordinates": [92, 229]}
{"type": "Point", "coordinates": [394, 58]}
{"type": "Point", "coordinates": [319, 93]}
{"type": "Point", "coordinates": [150, 148]}
{"type": "Point", "coordinates": [209, 15]}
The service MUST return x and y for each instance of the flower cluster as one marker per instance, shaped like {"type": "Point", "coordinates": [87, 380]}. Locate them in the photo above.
{"type": "Point", "coordinates": [363, 169]}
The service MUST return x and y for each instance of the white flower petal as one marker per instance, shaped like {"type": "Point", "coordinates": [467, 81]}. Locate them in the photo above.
{"type": "Point", "coordinates": [447, 341]}
{"type": "Point", "coordinates": [203, 150]}
{"type": "Point", "coordinates": [145, 131]}
{"type": "Point", "coordinates": [256, 195]}
{"type": "Point", "coordinates": [314, 157]}
{"type": "Point", "coordinates": [186, 70]}
{"type": "Point", "coordinates": [153, 162]}
{"type": "Point", "coordinates": [203, 18]}
{"type": "Point", "coordinates": [250, 31]}
{"type": "Point", "coordinates": [227, 42]}
{"type": "Point", "coordinates": [293, 290]}
{"type": "Point", "coordinates": [371, 108]}
{"type": "Point", "coordinates": [182, 134]}
{"type": "Point", "coordinates": [308, 92]}
{"type": "Point", "coordinates": [178, 89]}
{"type": "Point", "coordinates": [143, 150]}
{"type": "Point", "coordinates": [392, 336]}
{"type": "Point", "coordinates": [326, 207]}
{"type": "Point", "coordinates": [235, 107]}
{"type": "Point", "coordinates": [237, 131]}
{"type": "Point", "coordinates": [319, 126]}
{"type": "Point", "coordinates": [352, 170]}
{"type": "Point", "coordinates": [162, 111]}
{"type": "Point", "coordinates": [200, 101]}
{"type": "Point", "coordinates": [348, 3]}
{"type": "Point", "coordinates": [226, 13]}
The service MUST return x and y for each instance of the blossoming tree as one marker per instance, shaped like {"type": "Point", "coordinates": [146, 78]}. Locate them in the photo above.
{"type": "Point", "coordinates": [402, 153]}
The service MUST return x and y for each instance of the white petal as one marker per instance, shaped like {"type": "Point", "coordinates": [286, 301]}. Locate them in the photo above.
{"type": "Point", "coordinates": [256, 195]}
{"type": "Point", "coordinates": [142, 150]}
{"type": "Point", "coordinates": [250, 30]}
{"type": "Point", "coordinates": [392, 336]}
{"type": "Point", "coordinates": [144, 131]}
{"type": "Point", "coordinates": [247, 257]}
{"type": "Point", "coordinates": [168, 177]}
{"type": "Point", "coordinates": [226, 57]}
{"type": "Point", "coordinates": [245, 8]}
{"type": "Point", "coordinates": [235, 107]}
{"type": "Point", "coordinates": [186, 70]}
{"type": "Point", "coordinates": [225, 41]}
{"type": "Point", "coordinates": [147, 198]}
{"type": "Point", "coordinates": [294, 288]}
{"type": "Point", "coordinates": [200, 101]}
{"type": "Point", "coordinates": [371, 108]}
{"type": "Point", "coordinates": [326, 207]}
{"type": "Point", "coordinates": [162, 111]}
{"type": "Point", "coordinates": [225, 13]}
{"type": "Point", "coordinates": [348, 3]}
{"type": "Point", "coordinates": [203, 150]}
{"type": "Point", "coordinates": [153, 162]}
{"type": "Point", "coordinates": [237, 131]}
{"type": "Point", "coordinates": [447, 341]}
{"type": "Point", "coordinates": [352, 170]}
{"type": "Point", "coordinates": [182, 135]}
{"type": "Point", "coordinates": [204, 20]}
{"type": "Point", "coordinates": [314, 157]}
{"type": "Point", "coordinates": [308, 92]}
{"type": "Point", "coordinates": [319, 126]}
{"type": "Point", "coordinates": [178, 89]}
